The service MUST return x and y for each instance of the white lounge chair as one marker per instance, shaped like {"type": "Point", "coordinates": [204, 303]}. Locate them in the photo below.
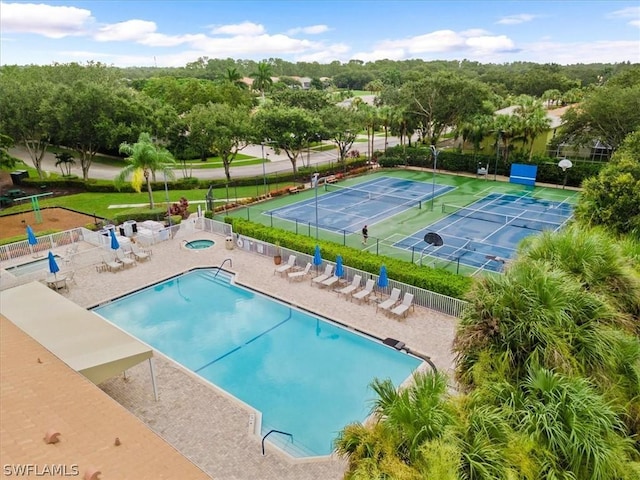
{"type": "Point", "coordinates": [402, 310]}
{"type": "Point", "coordinates": [282, 269]}
{"type": "Point", "coordinates": [390, 302]}
{"type": "Point", "coordinates": [365, 293]}
{"type": "Point", "coordinates": [139, 253]}
{"type": "Point", "coordinates": [122, 258]}
{"type": "Point", "coordinates": [112, 265]}
{"type": "Point", "coordinates": [352, 287]}
{"type": "Point", "coordinates": [331, 281]}
{"type": "Point", "coordinates": [300, 274]}
{"type": "Point", "coordinates": [321, 278]}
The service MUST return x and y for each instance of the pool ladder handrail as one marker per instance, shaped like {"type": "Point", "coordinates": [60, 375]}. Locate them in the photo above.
{"type": "Point", "coordinates": [222, 264]}
{"type": "Point", "coordinates": [274, 431]}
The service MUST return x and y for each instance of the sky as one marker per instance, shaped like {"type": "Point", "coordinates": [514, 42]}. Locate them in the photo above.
{"type": "Point", "coordinates": [168, 33]}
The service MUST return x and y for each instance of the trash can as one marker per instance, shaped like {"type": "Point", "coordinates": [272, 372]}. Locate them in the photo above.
{"type": "Point", "coordinates": [228, 243]}
{"type": "Point", "coordinates": [18, 175]}
{"type": "Point", "coordinates": [130, 227]}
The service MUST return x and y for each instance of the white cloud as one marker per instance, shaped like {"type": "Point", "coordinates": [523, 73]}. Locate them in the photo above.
{"type": "Point", "coordinates": [488, 45]}
{"type": "Point", "coordinates": [47, 20]}
{"type": "Point", "coordinates": [325, 54]}
{"type": "Point", "coordinates": [516, 19]}
{"type": "Point", "coordinates": [582, 52]}
{"type": "Point", "coordinates": [244, 28]}
{"type": "Point", "coordinates": [630, 12]}
{"type": "Point", "coordinates": [311, 30]}
{"type": "Point", "coordinates": [468, 42]}
{"type": "Point", "coordinates": [143, 32]}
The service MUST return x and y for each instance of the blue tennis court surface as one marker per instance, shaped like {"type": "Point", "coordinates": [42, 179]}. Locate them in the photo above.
{"type": "Point", "coordinates": [487, 232]}
{"type": "Point", "coordinates": [350, 208]}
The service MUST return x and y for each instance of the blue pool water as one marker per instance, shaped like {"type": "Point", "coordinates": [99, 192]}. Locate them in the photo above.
{"type": "Point", "coordinates": [199, 244]}
{"type": "Point", "coordinates": [307, 376]}
{"type": "Point", "coordinates": [31, 267]}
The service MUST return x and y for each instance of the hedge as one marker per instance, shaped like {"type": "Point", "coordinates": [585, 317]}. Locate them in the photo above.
{"type": "Point", "coordinates": [436, 280]}
{"type": "Point", "coordinates": [454, 161]}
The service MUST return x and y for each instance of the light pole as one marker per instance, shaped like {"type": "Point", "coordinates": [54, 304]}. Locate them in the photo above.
{"type": "Point", "coordinates": [314, 184]}
{"type": "Point", "coordinates": [495, 171]}
{"type": "Point", "coordinates": [435, 153]}
{"type": "Point", "coordinates": [166, 195]}
{"type": "Point", "coordinates": [264, 172]}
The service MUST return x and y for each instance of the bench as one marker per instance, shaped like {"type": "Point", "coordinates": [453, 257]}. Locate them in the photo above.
{"type": "Point", "coordinates": [331, 179]}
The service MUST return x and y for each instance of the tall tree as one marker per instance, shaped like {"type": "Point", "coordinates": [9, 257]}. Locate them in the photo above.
{"type": "Point", "coordinates": [286, 129]}
{"type": "Point", "coordinates": [607, 114]}
{"type": "Point", "coordinates": [612, 199]}
{"type": "Point", "coordinates": [144, 157]}
{"type": "Point", "coordinates": [27, 110]}
{"type": "Point", "coordinates": [341, 125]}
{"type": "Point", "coordinates": [262, 77]}
{"type": "Point", "coordinates": [533, 120]}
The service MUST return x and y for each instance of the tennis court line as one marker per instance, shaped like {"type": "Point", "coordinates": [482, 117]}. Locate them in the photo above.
{"type": "Point", "coordinates": [482, 194]}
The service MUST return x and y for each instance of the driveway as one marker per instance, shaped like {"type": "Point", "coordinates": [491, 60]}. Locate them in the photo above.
{"type": "Point", "coordinates": [277, 163]}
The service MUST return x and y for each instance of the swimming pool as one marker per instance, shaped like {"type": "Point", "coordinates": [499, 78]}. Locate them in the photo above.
{"type": "Point", "coordinates": [199, 244]}
{"type": "Point", "coordinates": [307, 376]}
{"type": "Point", "coordinates": [31, 267]}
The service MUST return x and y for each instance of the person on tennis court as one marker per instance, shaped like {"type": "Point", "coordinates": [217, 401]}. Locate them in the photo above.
{"type": "Point", "coordinates": [365, 235]}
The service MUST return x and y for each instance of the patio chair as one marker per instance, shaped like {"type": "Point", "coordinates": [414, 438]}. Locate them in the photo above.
{"type": "Point", "coordinates": [330, 282]}
{"type": "Point", "coordinates": [122, 258]}
{"type": "Point", "coordinates": [69, 276]}
{"type": "Point", "coordinates": [282, 269]}
{"type": "Point", "coordinates": [321, 278]}
{"type": "Point", "coordinates": [140, 254]}
{"type": "Point", "coordinates": [365, 293]}
{"type": "Point", "coordinates": [402, 310]}
{"type": "Point", "coordinates": [352, 287]}
{"type": "Point", "coordinates": [112, 265]}
{"type": "Point", "coordinates": [300, 275]}
{"type": "Point", "coordinates": [390, 302]}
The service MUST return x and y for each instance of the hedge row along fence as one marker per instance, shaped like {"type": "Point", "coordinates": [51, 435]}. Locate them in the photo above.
{"type": "Point", "coordinates": [548, 170]}
{"type": "Point", "coordinates": [439, 281]}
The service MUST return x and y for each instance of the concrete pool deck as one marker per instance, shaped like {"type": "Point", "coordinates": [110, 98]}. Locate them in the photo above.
{"type": "Point", "coordinates": [205, 425]}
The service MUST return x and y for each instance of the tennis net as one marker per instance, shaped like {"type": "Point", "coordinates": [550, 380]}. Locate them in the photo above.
{"type": "Point", "coordinates": [374, 196]}
{"type": "Point", "coordinates": [521, 220]}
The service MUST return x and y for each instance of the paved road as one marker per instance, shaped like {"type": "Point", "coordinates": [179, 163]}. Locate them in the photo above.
{"type": "Point", "coordinates": [277, 163]}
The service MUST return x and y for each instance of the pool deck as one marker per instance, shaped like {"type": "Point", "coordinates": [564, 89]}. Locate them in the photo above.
{"type": "Point", "coordinates": [206, 425]}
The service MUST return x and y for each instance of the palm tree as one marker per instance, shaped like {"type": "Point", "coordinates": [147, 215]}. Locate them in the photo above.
{"type": "Point", "coordinates": [534, 314]}
{"type": "Point", "coordinates": [534, 120]}
{"type": "Point", "coordinates": [144, 157]}
{"type": "Point", "coordinates": [575, 430]}
{"type": "Point", "coordinates": [65, 161]}
{"type": "Point", "coordinates": [234, 77]}
{"type": "Point", "coordinates": [595, 260]}
{"type": "Point", "coordinates": [262, 77]}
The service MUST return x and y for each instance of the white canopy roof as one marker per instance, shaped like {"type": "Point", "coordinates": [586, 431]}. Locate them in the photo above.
{"type": "Point", "coordinates": [78, 337]}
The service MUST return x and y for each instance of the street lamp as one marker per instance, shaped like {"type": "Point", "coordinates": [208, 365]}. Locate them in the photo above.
{"type": "Point", "coordinates": [166, 195]}
{"type": "Point", "coordinates": [314, 184]}
{"type": "Point", "coordinates": [435, 153]}
{"type": "Point", "coordinates": [264, 172]}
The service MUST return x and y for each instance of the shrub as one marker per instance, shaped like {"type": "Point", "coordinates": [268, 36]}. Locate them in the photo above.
{"type": "Point", "coordinates": [439, 281]}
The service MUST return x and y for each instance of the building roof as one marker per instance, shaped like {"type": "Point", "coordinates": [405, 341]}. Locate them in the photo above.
{"type": "Point", "coordinates": [81, 339]}
{"type": "Point", "coordinates": [39, 393]}
{"type": "Point", "coordinates": [554, 115]}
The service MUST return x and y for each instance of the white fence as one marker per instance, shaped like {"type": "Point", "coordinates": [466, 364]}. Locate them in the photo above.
{"type": "Point", "coordinates": [86, 257]}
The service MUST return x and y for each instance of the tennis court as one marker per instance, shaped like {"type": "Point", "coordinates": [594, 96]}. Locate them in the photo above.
{"type": "Point", "coordinates": [486, 233]}
{"type": "Point", "coordinates": [348, 209]}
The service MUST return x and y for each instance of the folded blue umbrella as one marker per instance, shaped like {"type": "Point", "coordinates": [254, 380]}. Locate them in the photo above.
{"type": "Point", "coordinates": [114, 241]}
{"type": "Point", "coordinates": [317, 258]}
{"type": "Point", "coordinates": [31, 237]}
{"type": "Point", "coordinates": [53, 266]}
{"type": "Point", "coordinates": [383, 280]}
{"type": "Point", "coordinates": [339, 267]}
